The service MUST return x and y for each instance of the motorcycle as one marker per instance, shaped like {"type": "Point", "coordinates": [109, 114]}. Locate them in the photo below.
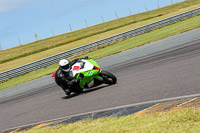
{"type": "Point", "coordinates": [91, 74]}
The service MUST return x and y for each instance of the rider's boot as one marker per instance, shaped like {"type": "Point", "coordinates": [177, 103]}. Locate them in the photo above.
{"type": "Point", "coordinates": [67, 92]}
{"type": "Point", "coordinates": [65, 89]}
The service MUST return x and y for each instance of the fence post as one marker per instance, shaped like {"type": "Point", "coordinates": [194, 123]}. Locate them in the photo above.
{"type": "Point", "coordinates": [116, 15]}
{"type": "Point", "coordinates": [70, 27]}
{"type": "Point", "coordinates": [19, 41]}
{"type": "Point", "coordinates": [102, 18]}
{"type": "Point", "coordinates": [130, 11]}
{"type": "Point", "coordinates": [0, 47]}
{"type": "Point", "coordinates": [146, 7]}
{"type": "Point", "coordinates": [36, 37]}
{"type": "Point", "coordinates": [52, 32]}
{"type": "Point", "coordinates": [172, 2]}
{"type": "Point", "coordinates": [158, 4]}
{"type": "Point", "coordinates": [86, 23]}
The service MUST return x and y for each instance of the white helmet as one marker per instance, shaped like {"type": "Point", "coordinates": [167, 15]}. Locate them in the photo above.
{"type": "Point", "coordinates": [64, 64]}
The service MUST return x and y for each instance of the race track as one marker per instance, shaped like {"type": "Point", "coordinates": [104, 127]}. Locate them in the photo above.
{"type": "Point", "coordinates": [165, 73]}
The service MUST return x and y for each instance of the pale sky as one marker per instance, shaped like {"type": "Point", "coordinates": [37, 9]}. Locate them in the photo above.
{"type": "Point", "coordinates": [24, 18]}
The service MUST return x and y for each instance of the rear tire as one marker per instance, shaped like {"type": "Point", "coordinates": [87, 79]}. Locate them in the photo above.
{"type": "Point", "coordinates": [108, 78]}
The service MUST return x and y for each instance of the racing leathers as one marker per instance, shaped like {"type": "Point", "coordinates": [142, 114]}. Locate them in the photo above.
{"type": "Point", "coordinates": [67, 83]}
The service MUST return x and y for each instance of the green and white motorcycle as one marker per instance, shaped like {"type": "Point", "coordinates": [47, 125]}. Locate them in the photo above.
{"type": "Point", "coordinates": [91, 74]}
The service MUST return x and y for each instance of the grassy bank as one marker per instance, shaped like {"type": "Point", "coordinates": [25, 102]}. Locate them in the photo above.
{"type": "Point", "coordinates": [158, 34]}
{"type": "Point", "coordinates": [186, 120]}
{"type": "Point", "coordinates": [24, 54]}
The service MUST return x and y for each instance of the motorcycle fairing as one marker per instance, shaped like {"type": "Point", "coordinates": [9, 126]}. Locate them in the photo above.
{"type": "Point", "coordinates": [90, 71]}
{"type": "Point", "coordinates": [87, 66]}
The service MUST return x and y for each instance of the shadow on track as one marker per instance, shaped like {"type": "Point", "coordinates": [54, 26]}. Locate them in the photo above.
{"type": "Point", "coordinates": [84, 92]}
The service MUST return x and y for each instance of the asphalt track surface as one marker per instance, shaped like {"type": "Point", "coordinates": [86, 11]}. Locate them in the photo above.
{"type": "Point", "coordinates": [168, 73]}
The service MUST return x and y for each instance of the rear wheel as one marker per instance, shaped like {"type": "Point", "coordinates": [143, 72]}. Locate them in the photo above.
{"type": "Point", "coordinates": [108, 78]}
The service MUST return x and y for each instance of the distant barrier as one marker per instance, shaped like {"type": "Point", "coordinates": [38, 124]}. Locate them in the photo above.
{"type": "Point", "coordinates": [129, 34]}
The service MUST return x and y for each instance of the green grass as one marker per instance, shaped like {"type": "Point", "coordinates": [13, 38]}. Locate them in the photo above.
{"type": "Point", "coordinates": [158, 34]}
{"type": "Point", "coordinates": [66, 39]}
{"type": "Point", "coordinates": [182, 121]}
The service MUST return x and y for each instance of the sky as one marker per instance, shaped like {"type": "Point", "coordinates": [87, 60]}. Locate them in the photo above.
{"type": "Point", "coordinates": [21, 19]}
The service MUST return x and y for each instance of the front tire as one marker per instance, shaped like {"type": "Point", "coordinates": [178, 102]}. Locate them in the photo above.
{"type": "Point", "coordinates": [108, 78]}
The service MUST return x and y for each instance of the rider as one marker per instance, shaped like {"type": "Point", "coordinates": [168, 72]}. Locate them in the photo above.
{"type": "Point", "coordinates": [63, 79]}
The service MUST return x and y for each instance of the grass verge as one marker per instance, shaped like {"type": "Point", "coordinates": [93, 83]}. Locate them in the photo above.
{"type": "Point", "coordinates": [179, 121]}
{"type": "Point", "coordinates": [50, 46]}
{"type": "Point", "coordinates": [158, 34]}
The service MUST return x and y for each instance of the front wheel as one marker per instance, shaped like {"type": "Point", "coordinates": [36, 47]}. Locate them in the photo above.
{"type": "Point", "coordinates": [108, 78]}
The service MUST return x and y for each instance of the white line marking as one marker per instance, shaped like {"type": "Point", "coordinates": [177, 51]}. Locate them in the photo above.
{"type": "Point", "coordinates": [108, 109]}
